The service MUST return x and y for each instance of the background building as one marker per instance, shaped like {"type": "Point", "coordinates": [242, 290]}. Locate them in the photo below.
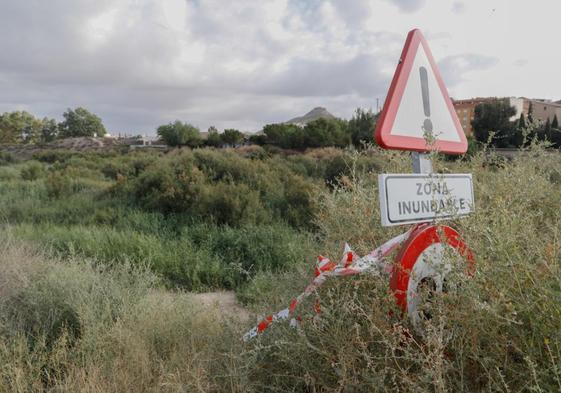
{"type": "Point", "coordinates": [541, 109]}
{"type": "Point", "coordinates": [545, 109]}
{"type": "Point", "coordinates": [465, 109]}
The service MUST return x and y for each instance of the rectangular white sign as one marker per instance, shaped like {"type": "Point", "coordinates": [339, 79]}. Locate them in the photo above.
{"type": "Point", "coordinates": [413, 198]}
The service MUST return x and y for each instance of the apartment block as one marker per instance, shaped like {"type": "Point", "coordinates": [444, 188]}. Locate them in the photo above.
{"type": "Point", "coordinates": [465, 109]}
{"type": "Point", "coordinates": [545, 109]}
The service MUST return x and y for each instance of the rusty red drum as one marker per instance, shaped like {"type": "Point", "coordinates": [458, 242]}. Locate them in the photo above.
{"type": "Point", "coordinates": [425, 260]}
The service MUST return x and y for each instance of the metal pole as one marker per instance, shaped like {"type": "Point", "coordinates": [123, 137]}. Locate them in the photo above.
{"type": "Point", "coordinates": [421, 163]}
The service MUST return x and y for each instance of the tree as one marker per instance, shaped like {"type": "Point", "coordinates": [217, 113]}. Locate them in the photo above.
{"type": "Point", "coordinates": [555, 133]}
{"type": "Point", "coordinates": [213, 138]}
{"type": "Point", "coordinates": [517, 134]}
{"type": "Point", "coordinates": [287, 136]}
{"type": "Point", "coordinates": [326, 132]}
{"type": "Point", "coordinates": [361, 126]}
{"type": "Point", "coordinates": [258, 139]}
{"type": "Point", "coordinates": [49, 130]}
{"type": "Point", "coordinates": [555, 123]}
{"type": "Point", "coordinates": [179, 134]}
{"type": "Point", "coordinates": [545, 134]}
{"type": "Point", "coordinates": [522, 121]}
{"type": "Point", "coordinates": [494, 117]}
{"type": "Point", "coordinates": [531, 113]}
{"type": "Point", "coordinates": [80, 122]}
{"type": "Point", "coordinates": [232, 137]}
{"type": "Point", "coordinates": [18, 127]}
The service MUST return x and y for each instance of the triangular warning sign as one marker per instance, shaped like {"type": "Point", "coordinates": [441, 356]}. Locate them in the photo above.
{"type": "Point", "coordinates": [418, 105]}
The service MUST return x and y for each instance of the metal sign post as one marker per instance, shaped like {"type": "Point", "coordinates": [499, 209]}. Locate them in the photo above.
{"type": "Point", "coordinates": [418, 103]}
{"type": "Point", "coordinates": [421, 162]}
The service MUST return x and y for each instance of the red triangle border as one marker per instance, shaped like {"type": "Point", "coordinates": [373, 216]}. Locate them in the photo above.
{"type": "Point", "coordinates": [393, 100]}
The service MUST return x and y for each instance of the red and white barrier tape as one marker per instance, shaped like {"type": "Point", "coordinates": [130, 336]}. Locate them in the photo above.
{"type": "Point", "coordinates": [349, 265]}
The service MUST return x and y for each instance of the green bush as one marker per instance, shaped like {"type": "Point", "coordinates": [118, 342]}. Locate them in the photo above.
{"type": "Point", "coordinates": [6, 158]}
{"type": "Point", "coordinates": [58, 185]}
{"type": "Point", "coordinates": [8, 173]}
{"type": "Point", "coordinates": [32, 170]}
{"type": "Point", "coordinates": [165, 189]}
{"type": "Point", "coordinates": [223, 187]}
{"type": "Point", "coordinates": [56, 155]}
{"type": "Point", "coordinates": [231, 204]}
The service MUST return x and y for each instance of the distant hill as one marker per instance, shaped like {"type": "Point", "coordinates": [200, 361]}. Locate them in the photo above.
{"type": "Point", "coordinates": [314, 114]}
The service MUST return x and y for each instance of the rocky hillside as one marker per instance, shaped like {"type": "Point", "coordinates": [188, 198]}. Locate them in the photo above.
{"type": "Point", "coordinates": [314, 114]}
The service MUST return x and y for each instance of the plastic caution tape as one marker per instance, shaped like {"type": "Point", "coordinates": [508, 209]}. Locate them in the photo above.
{"type": "Point", "coordinates": [349, 265]}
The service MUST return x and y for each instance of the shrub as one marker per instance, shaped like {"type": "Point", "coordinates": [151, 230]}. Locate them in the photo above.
{"type": "Point", "coordinates": [58, 185]}
{"type": "Point", "coordinates": [223, 187]}
{"type": "Point", "coordinates": [6, 158]}
{"type": "Point", "coordinates": [252, 249]}
{"type": "Point", "coordinates": [231, 204]}
{"type": "Point", "coordinates": [165, 189]}
{"type": "Point", "coordinates": [8, 173]}
{"type": "Point", "coordinates": [52, 156]}
{"type": "Point", "coordinates": [32, 170]}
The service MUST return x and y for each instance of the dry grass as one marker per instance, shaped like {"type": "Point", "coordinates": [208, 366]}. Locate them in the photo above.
{"type": "Point", "coordinates": [498, 331]}
{"type": "Point", "coordinates": [73, 326]}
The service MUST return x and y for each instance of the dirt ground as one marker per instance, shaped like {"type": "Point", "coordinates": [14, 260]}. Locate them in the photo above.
{"type": "Point", "coordinates": [223, 301]}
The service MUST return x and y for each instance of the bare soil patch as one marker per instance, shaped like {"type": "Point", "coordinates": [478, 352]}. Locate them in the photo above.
{"type": "Point", "coordinates": [222, 301]}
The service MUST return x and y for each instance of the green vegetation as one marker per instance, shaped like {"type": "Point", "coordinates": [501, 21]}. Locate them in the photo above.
{"type": "Point", "coordinates": [81, 122]}
{"type": "Point", "coordinates": [99, 249]}
{"type": "Point", "coordinates": [200, 218]}
{"type": "Point", "coordinates": [179, 134]}
{"type": "Point", "coordinates": [491, 124]}
{"type": "Point", "coordinates": [23, 127]}
{"type": "Point", "coordinates": [232, 137]}
{"type": "Point", "coordinates": [320, 133]}
{"type": "Point", "coordinates": [495, 117]}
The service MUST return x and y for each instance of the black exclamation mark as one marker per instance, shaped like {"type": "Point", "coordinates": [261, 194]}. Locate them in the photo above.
{"type": "Point", "coordinates": [427, 124]}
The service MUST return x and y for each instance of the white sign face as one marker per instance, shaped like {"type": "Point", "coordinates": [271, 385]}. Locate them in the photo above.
{"type": "Point", "coordinates": [423, 107]}
{"type": "Point", "coordinates": [418, 113]}
{"type": "Point", "coordinates": [407, 199]}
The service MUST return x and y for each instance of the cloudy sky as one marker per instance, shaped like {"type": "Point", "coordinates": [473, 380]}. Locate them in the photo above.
{"type": "Point", "coordinates": [246, 63]}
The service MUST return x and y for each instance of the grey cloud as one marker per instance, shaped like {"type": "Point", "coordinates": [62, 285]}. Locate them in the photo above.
{"type": "Point", "coordinates": [360, 75]}
{"type": "Point", "coordinates": [458, 7]}
{"type": "Point", "coordinates": [454, 68]}
{"type": "Point", "coordinates": [352, 12]}
{"type": "Point", "coordinates": [47, 42]}
{"type": "Point", "coordinates": [409, 5]}
{"type": "Point", "coordinates": [441, 35]}
{"type": "Point", "coordinates": [135, 80]}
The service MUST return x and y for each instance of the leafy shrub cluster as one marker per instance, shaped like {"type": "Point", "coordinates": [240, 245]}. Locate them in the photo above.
{"type": "Point", "coordinates": [200, 219]}
{"type": "Point", "coordinates": [322, 132]}
{"type": "Point", "coordinates": [223, 187]}
{"type": "Point", "coordinates": [32, 170]}
{"type": "Point", "coordinates": [6, 158]}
